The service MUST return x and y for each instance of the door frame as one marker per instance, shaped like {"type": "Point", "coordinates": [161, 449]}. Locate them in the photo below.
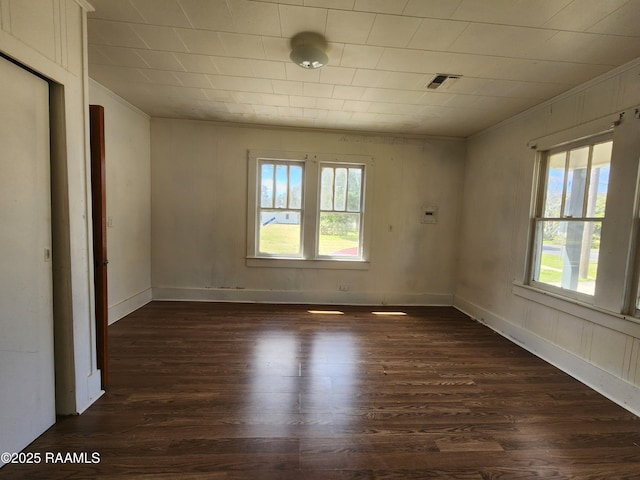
{"type": "Point", "coordinates": [100, 259]}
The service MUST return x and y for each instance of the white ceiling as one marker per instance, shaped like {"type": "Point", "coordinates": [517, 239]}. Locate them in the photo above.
{"type": "Point", "coordinates": [228, 60]}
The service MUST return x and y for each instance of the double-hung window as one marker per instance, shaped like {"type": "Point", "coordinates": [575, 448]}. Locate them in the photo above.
{"type": "Point", "coordinates": [280, 208]}
{"type": "Point", "coordinates": [308, 207]}
{"type": "Point", "coordinates": [569, 215]}
{"type": "Point", "coordinates": [584, 250]}
{"type": "Point", "coordinates": [340, 220]}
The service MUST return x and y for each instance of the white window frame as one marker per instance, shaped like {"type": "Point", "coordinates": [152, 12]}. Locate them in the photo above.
{"type": "Point", "coordinates": [539, 214]}
{"type": "Point", "coordinates": [360, 212]}
{"type": "Point", "coordinates": [274, 208]}
{"type": "Point", "coordinates": [309, 257]}
{"type": "Point", "coordinates": [614, 301]}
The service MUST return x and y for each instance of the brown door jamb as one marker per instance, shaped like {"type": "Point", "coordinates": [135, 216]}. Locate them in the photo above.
{"type": "Point", "coordinates": [100, 261]}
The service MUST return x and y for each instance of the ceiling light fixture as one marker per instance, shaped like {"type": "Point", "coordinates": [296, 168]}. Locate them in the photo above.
{"type": "Point", "coordinates": [308, 50]}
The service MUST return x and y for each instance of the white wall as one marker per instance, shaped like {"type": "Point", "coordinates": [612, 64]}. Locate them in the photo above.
{"type": "Point", "coordinates": [128, 184]}
{"type": "Point", "coordinates": [602, 350]}
{"type": "Point", "coordinates": [48, 36]}
{"type": "Point", "coordinates": [199, 208]}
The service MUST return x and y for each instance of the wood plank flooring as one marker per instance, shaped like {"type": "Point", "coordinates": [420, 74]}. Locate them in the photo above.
{"type": "Point", "coordinates": [232, 391]}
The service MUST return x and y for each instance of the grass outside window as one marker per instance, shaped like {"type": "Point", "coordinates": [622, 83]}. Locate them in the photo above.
{"type": "Point", "coordinates": [281, 238]}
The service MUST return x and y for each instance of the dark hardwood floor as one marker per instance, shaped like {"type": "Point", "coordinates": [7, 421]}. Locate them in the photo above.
{"type": "Point", "coordinates": [232, 391]}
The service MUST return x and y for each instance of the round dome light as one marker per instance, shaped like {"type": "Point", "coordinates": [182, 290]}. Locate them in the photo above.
{"type": "Point", "coordinates": [308, 56]}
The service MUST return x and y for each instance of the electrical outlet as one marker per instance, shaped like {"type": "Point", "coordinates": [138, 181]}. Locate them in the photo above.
{"type": "Point", "coordinates": [429, 214]}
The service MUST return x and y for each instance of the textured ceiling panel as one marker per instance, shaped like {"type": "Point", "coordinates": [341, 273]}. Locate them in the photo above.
{"type": "Point", "coordinates": [228, 60]}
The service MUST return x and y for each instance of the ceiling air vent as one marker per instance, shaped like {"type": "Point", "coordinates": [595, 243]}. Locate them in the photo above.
{"type": "Point", "coordinates": [442, 80]}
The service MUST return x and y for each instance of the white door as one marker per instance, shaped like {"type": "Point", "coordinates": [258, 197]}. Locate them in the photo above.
{"type": "Point", "coordinates": [27, 395]}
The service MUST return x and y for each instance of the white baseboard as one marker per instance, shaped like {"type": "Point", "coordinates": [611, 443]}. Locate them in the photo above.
{"type": "Point", "coordinates": [299, 296]}
{"type": "Point", "coordinates": [125, 307]}
{"type": "Point", "coordinates": [614, 388]}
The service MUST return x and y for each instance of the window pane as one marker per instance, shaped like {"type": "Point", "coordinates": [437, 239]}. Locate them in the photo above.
{"type": "Point", "coordinates": [599, 179]}
{"type": "Point", "coordinates": [576, 182]}
{"type": "Point", "coordinates": [279, 232]}
{"type": "Point", "coordinates": [295, 187]}
{"type": "Point", "coordinates": [355, 190]}
{"type": "Point", "coordinates": [281, 186]}
{"type": "Point", "coordinates": [326, 189]}
{"type": "Point", "coordinates": [568, 254]}
{"type": "Point", "coordinates": [266, 186]}
{"type": "Point", "coordinates": [340, 194]}
{"type": "Point", "coordinates": [339, 234]}
{"type": "Point", "coordinates": [555, 185]}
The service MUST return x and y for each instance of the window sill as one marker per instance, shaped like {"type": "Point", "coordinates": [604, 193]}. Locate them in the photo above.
{"type": "Point", "coordinates": [616, 321]}
{"type": "Point", "coordinates": [304, 263]}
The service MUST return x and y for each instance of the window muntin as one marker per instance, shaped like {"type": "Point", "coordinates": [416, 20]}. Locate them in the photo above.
{"type": "Point", "coordinates": [282, 198]}
{"type": "Point", "coordinates": [568, 221]}
{"type": "Point", "coordinates": [341, 209]}
{"type": "Point", "coordinates": [280, 210]}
